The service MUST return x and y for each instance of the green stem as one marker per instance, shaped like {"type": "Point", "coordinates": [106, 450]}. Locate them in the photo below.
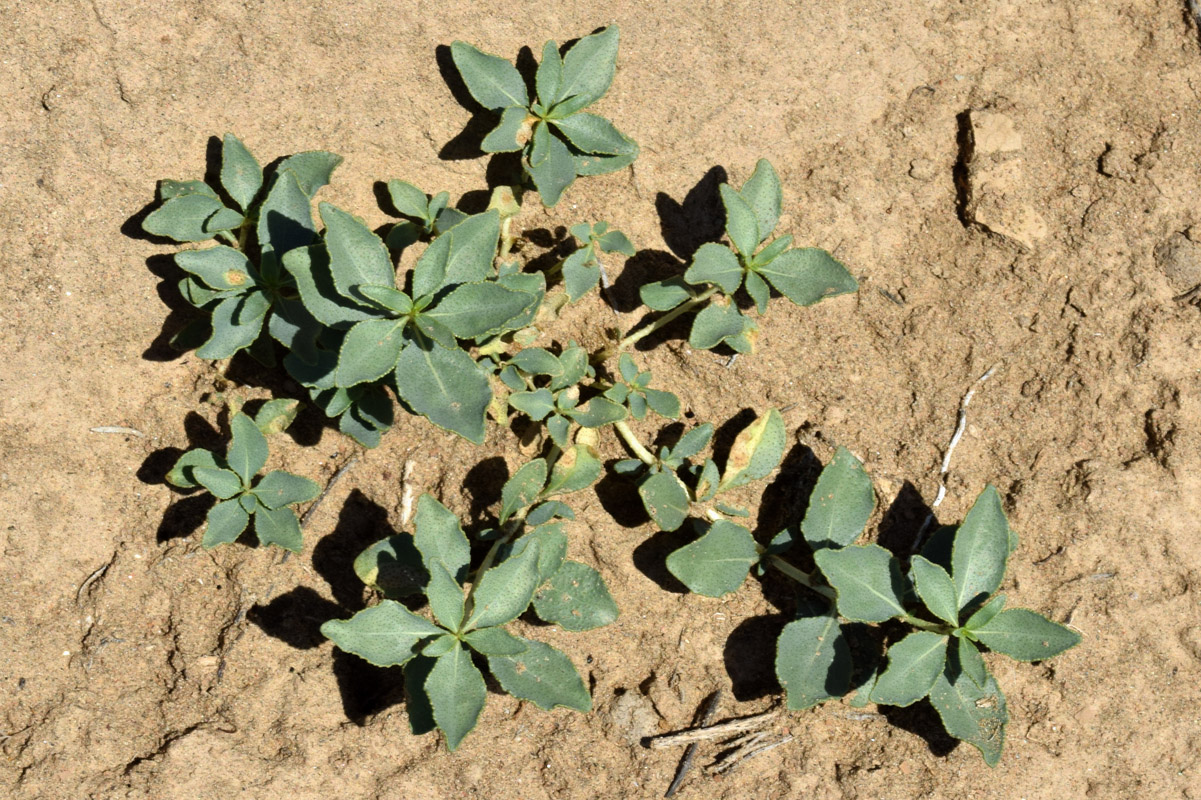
{"type": "Point", "coordinates": [803, 578]}
{"type": "Point", "coordinates": [936, 627]}
{"type": "Point", "coordinates": [666, 319]}
{"type": "Point", "coordinates": [631, 440]}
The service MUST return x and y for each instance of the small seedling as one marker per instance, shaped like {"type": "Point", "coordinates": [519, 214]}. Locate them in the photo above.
{"type": "Point", "coordinates": [232, 480]}
{"type": "Point", "coordinates": [946, 599]}
{"type": "Point", "coordinates": [557, 139]}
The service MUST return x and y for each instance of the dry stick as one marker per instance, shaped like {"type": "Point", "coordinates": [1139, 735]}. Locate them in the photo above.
{"type": "Point", "coordinates": [748, 750]}
{"type": "Point", "coordinates": [708, 732]}
{"type": "Point", "coordinates": [406, 497]}
{"type": "Point", "coordinates": [690, 753]}
{"type": "Point", "coordinates": [337, 476]}
{"type": "Point", "coordinates": [118, 429]}
{"type": "Point", "coordinates": [946, 459]}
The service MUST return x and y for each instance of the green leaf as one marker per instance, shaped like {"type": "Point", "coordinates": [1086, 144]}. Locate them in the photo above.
{"type": "Point", "coordinates": [1024, 635]}
{"type": "Point", "coordinates": [594, 134]}
{"type": "Point", "coordinates": [440, 646]}
{"type": "Point", "coordinates": [356, 255]}
{"type": "Point", "coordinates": [220, 267]}
{"type": "Point", "coordinates": [168, 189]}
{"type": "Point", "coordinates": [409, 200]}
{"type": "Point", "coordinates": [276, 415]}
{"type": "Point", "coordinates": [535, 405]}
{"type": "Point", "coordinates": [971, 713]}
{"type": "Point", "coordinates": [241, 174]}
{"type": "Point", "coordinates": [769, 253]}
{"type": "Point", "coordinates": [537, 361]}
{"type": "Point", "coordinates": [741, 224]}
{"type": "Point", "coordinates": [763, 194]}
{"type": "Point", "coordinates": [597, 164]}
{"type": "Point", "coordinates": [370, 351]}
{"type": "Point", "coordinates": [226, 219]}
{"type": "Point", "coordinates": [716, 264]}
{"type": "Point", "coordinates": [182, 474]}
{"type": "Point", "coordinates": [278, 489]}
{"type": "Point", "coordinates": [310, 266]}
{"type": "Point", "coordinates": [545, 512]}
{"type": "Point", "coordinates": [589, 65]}
{"type": "Point", "coordinates": [435, 331]}
{"type": "Point", "coordinates": [183, 218]}
{"type": "Point", "coordinates": [447, 600]}
{"type": "Point", "coordinates": [939, 545]}
{"type": "Point", "coordinates": [867, 579]}
{"type": "Point", "coordinates": [756, 451]}
{"type": "Point", "coordinates": [575, 367]}
{"type": "Point", "coordinates": [576, 599]}
{"type": "Point", "coordinates": [480, 309]}
{"type": "Point", "coordinates": [386, 635]}
{"type": "Point", "coordinates": [278, 526]}
{"type": "Point", "coordinates": [759, 291]}
{"type": "Point", "coordinates": [986, 612]}
{"type": "Point", "coordinates": [503, 138]}
{"type": "Point", "coordinates": [247, 449]}
{"type": "Point", "coordinates": [581, 273]}
{"type": "Point", "coordinates": [616, 242]}
{"type": "Point", "coordinates": [971, 662]}
{"type": "Point", "coordinates": [552, 546]}
{"type": "Point", "coordinates": [403, 234]}
{"type": "Point", "coordinates": [558, 428]}
{"type": "Point", "coordinates": [577, 469]}
{"type": "Point", "coordinates": [492, 81]}
{"type": "Point", "coordinates": [369, 415]}
{"type": "Point", "coordinates": [221, 483]}
{"type": "Point", "coordinates": [550, 74]}
{"type": "Point", "coordinates": [936, 589]}
{"type": "Point", "coordinates": [387, 298]}
{"type": "Point", "coordinates": [446, 387]}
{"type": "Point", "coordinates": [226, 521]}
{"type": "Point", "coordinates": [808, 275]}
{"type": "Point", "coordinates": [718, 562]}
{"type": "Point", "coordinates": [523, 488]}
{"type": "Point", "coordinates": [555, 171]}
{"type": "Point", "coordinates": [463, 254]}
{"type": "Point", "coordinates": [394, 566]}
{"type": "Point", "coordinates": [813, 661]}
{"type": "Point", "coordinates": [716, 323]}
{"type": "Point", "coordinates": [665, 498]}
{"type": "Point", "coordinates": [495, 642]}
{"type": "Point", "coordinates": [505, 591]}
{"type": "Point", "coordinates": [597, 412]}
{"type": "Point", "coordinates": [312, 169]}
{"type": "Point", "coordinates": [286, 216]}
{"type": "Point", "coordinates": [913, 665]}
{"type": "Point", "coordinates": [664, 295]}
{"type": "Point", "coordinates": [841, 504]}
{"type": "Point", "coordinates": [542, 675]}
{"type": "Point", "coordinates": [237, 322]}
{"type": "Point", "coordinates": [692, 442]}
{"type": "Point", "coordinates": [981, 549]}
{"type": "Point", "coordinates": [440, 539]}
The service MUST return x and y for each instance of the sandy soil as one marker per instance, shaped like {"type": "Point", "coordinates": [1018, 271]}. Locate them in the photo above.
{"type": "Point", "coordinates": [1013, 182]}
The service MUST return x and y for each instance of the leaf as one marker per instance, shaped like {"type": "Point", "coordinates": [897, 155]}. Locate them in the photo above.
{"type": "Point", "coordinates": [440, 539]}
{"type": "Point", "coordinates": [597, 412]}
{"type": "Point", "coordinates": [168, 189]}
{"type": "Point", "coordinates": [440, 646]}
{"type": "Point", "coordinates": [241, 174]}
{"type": "Point", "coordinates": [537, 361]}
{"type": "Point", "coordinates": [549, 75]}
{"type": "Point", "coordinates": [718, 562]}
{"type": "Point", "coordinates": [278, 489]}
{"type": "Point", "coordinates": [552, 547]}
{"type": "Point", "coordinates": [769, 253]}
{"type": "Point", "coordinates": [577, 468]}
{"type": "Point", "coordinates": [312, 169]}
{"type": "Point", "coordinates": [310, 266]}
{"type": "Point", "coordinates": [368, 416]}
{"type": "Point", "coordinates": [1025, 635]}
{"type": "Point", "coordinates": [535, 405]}
{"type": "Point", "coordinates": [555, 172]}
{"type": "Point", "coordinates": [182, 218]}
{"type": "Point", "coordinates": [741, 224]}
{"type": "Point", "coordinates": [386, 635]}
{"type": "Point", "coordinates": [913, 665]}
{"type": "Point", "coordinates": [867, 579]}
{"type": "Point", "coordinates": [971, 713]}
{"type": "Point", "coordinates": [446, 387]}
{"type": "Point", "coordinates": [581, 273]}
{"type": "Point", "coordinates": [226, 219]}
{"type": "Point", "coordinates": [286, 216]}
{"type": "Point", "coordinates": [936, 589]}
{"type": "Point", "coordinates": [247, 452]}
{"type": "Point", "coordinates": [237, 322]}
{"type": "Point", "coordinates": [664, 295]}
{"type": "Point", "coordinates": [594, 134]}
{"type": "Point", "coordinates": [464, 254]}
{"type": "Point", "coordinates": [182, 474]}
{"type": "Point", "coordinates": [841, 504]}
{"type": "Point", "coordinates": [220, 267]}
{"type": "Point", "coordinates": [763, 194]}
{"type": "Point", "coordinates": [616, 242]}
{"type": "Point", "coordinates": [279, 527]}
{"type": "Point", "coordinates": [597, 164]}
{"type": "Point", "coordinates": [409, 200]}
{"type": "Point", "coordinates": [693, 442]}
{"type": "Point", "coordinates": [716, 264]}
{"type": "Point", "coordinates": [985, 613]}
{"type": "Point", "coordinates": [808, 275]}
{"type": "Point", "coordinates": [503, 138]}
{"type": "Point", "coordinates": [356, 255]}
{"type": "Point", "coordinates": [504, 592]}
{"type": "Point", "coordinates": [971, 662]}
{"type": "Point", "coordinates": [756, 451]}
{"type": "Point", "coordinates": [394, 566]}
{"type": "Point", "coordinates": [542, 675]}
{"type": "Point", "coordinates": [495, 642]}
{"type": "Point", "coordinates": [589, 65]}
{"type": "Point", "coordinates": [576, 599]}
{"type": "Point", "coordinates": [387, 298]}
{"type": "Point", "coordinates": [446, 597]}
{"type": "Point", "coordinates": [665, 498]}
{"type": "Point", "coordinates": [370, 351]}
{"type": "Point", "coordinates": [523, 488]}
{"type": "Point", "coordinates": [492, 81]}
{"type": "Point", "coordinates": [276, 415]}
{"type": "Point", "coordinates": [716, 323]}
{"type": "Point", "coordinates": [221, 483]}
{"type": "Point", "coordinates": [981, 549]}
{"type": "Point", "coordinates": [558, 428]}
{"type": "Point", "coordinates": [759, 291]}
{"type": "Point", "coordinates": [226, 521]}
{"type": "Point", "coordinates": [813, 661]}
{"type": "Point", "coordinates": [545, 512]}
{"type": "Point", "coordinates": [479, 309]}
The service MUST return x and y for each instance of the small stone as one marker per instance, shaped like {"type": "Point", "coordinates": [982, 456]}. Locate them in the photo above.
{"type": "Point", "coordinates": [994, 133]}
{"type": "Point", "coordinates": [923, 169]}
{"type": "Point", "coordinates": [1180, 260]}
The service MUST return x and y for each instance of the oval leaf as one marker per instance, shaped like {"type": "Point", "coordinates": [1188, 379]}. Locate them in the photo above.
{"type": "Point", "coordinates": [913, 665]}
{"type": "Point", "coordinates": [278, 489]}
{"type": "Point", "coordinates": [715, 263]}
{"type": "Point", "coordinates": [718, 562]}
{"type": "Point", "coordinates": [493, 82]}
{"type": "Point", "coordinates": [445, 386]}
{"type": "Point", "coordinates": [385, 635]}
{"type": "Point", "coordinates": [756, 451]}
{"type": "Point", "coordinates": [666, 499]}
{"type": "Point", "coordinates": [457, 693]}
{"type": "Point", "coordinates": [1025, 635]}
{"type": "Point", "coordinates": [807, 275]}
{"type": "Point", "coordinates": [841, 504]}
{"type": "Point", "coordinates": [981, 549]}
{"type": "Point", "coordinates": [576, 599]}
{"type": "Point", "coordinates": [542, 675]}
{"type": "Point", "coordinates": [867, 579]}
{"type": "Point", "coordinates": [813, 661]}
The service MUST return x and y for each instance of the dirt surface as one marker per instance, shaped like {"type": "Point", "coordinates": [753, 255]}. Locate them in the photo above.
{"type": "Point", "coordinates": [1014, 183]}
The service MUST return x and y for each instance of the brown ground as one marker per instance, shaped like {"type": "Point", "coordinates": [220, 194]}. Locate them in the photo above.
{"type": "Point", "coordinates": [186, 674]}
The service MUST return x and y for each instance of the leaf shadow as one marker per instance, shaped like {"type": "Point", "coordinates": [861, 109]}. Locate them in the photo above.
{"type": "Point", "coordinates": [903, 521]}
{"type": "Point", "coordinates": [750, 656]}
{"type": "Point", "coordinates": [483, 484]}
{"type": "Point", "coordinates": [699, 218]}
{"type": "Point", "coordinates": [645, 266]}
{"type": "Point", "coordinates": [187, 514]}
{"type": "Point", "coordinates": [922, 720]}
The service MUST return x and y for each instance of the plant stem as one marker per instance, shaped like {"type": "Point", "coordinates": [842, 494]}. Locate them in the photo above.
{"type": "Point", "coordinates": [936, 627]}
{"type": "Point", "coordinates": [631, 440]}
{"type": "Point", "coordinates": [633, 338]}
{"type": "Point", "coordinates": [803, 578]}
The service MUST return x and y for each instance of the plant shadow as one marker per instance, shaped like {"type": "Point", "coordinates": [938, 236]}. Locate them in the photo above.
{"type": "Point", "coordinates": [187, 514]}
{"type": "Point", "coordinates": [903, 522]}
